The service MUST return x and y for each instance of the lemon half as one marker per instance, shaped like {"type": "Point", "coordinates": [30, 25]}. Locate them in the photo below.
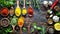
{"type": "Point", "coordinates": [57, 26]}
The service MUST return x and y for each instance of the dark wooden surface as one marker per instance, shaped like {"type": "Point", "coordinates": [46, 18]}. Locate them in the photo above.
{"type": "Point", "coordinates": [39, 17]}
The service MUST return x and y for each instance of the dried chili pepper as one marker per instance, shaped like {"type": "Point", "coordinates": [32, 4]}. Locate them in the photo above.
{"type": "Point", "coordinates": [54, 4]}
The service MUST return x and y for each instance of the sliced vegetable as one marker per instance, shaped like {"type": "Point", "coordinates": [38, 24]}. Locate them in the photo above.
{"type": "Point", "coordinates": [57, 26]}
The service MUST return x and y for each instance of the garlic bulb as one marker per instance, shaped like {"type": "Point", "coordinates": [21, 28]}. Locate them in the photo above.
{"type": "Point", "coordinates": [45, 3]}
{"type": "Point", "coordinates": [50, 2]}
{"type": "Point", "coordinates": [51, 15]}
{"type": "Point", "coordinates": [55, 18]}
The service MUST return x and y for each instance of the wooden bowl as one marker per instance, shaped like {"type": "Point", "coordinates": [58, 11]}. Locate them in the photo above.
{"type": "Point", "coordinates": [5, 22]}
{"type": "Point", "coordinates": [50, 29]}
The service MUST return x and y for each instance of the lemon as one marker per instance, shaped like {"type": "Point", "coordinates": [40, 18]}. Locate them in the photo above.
{"type": "Point", "coordinates": [57, 26]}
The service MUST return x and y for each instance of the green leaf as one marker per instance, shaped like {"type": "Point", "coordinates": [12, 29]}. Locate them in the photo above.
{"type": "Point", "coordinates": [32, 30]}
{"type": "Point", "coordinates": [24, 29]}
{"type": "Point", "coordinates": [35, 27]}
{"type": "Point", "coordinates": [39, 28]}
{"type": "Point", "coordinates": [27, 2]}
{"type": "Point", "coordinates": [58, 14]}
{"type": "Point", "coordinates": [43, 29]}
{"type": "Point", "coordinates": [34, 24]}
{"type": "Point", "coordinates": [11, 3]}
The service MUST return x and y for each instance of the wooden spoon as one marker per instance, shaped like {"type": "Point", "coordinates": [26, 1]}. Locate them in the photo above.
{"type": "Point", "coordinates": [11, 12]}
{"type": "Point", "coordinates": [29, 27]}
{"type": "Point", "coordinates": [21, 23]}
{"type": "Point", "coordinates": [18, 9]}
{"type": "Point", "coordinates": [14, 23]}
{"type": "Point", "coordinates": [24, 11]}
{"type": "Point", "coordinates": [28, 23]}
{"type": "Point", "coordinates": [13, 26]}
{"type": "Point", "coordinates": [4, 22]}
{"type": "Point", "coordinates": [30, 10]}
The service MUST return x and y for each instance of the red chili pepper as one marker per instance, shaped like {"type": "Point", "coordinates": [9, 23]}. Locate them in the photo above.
{"type": "Point", "coordinates": [54, 4]}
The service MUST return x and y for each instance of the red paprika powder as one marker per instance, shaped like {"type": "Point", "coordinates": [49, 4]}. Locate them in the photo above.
{"type": "Point", "coordinates": [4, 11]}
{"type": "Point", "coordinates": [30, 12]}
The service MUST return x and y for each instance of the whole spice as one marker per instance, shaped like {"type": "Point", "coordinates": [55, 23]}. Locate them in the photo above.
{"type": "Point", "coordinates": [5, 22]}
{"type": "Point", "coordinates": [50, 11]}
{"type": "Point", "coordinates": [50, 29]}
{"type": "Point", "coordinates": [47, 16]}
{"type": "Point", "coordinates": [56, 8]}
{"type": "Point", "coordinates": [17, 28]}
{"type": "Point", "coordinates": [50, 21]}
{"type": "Point", "coordinates": [11, 11]}
{"type": "Point", "coordinates": [4, 11]}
